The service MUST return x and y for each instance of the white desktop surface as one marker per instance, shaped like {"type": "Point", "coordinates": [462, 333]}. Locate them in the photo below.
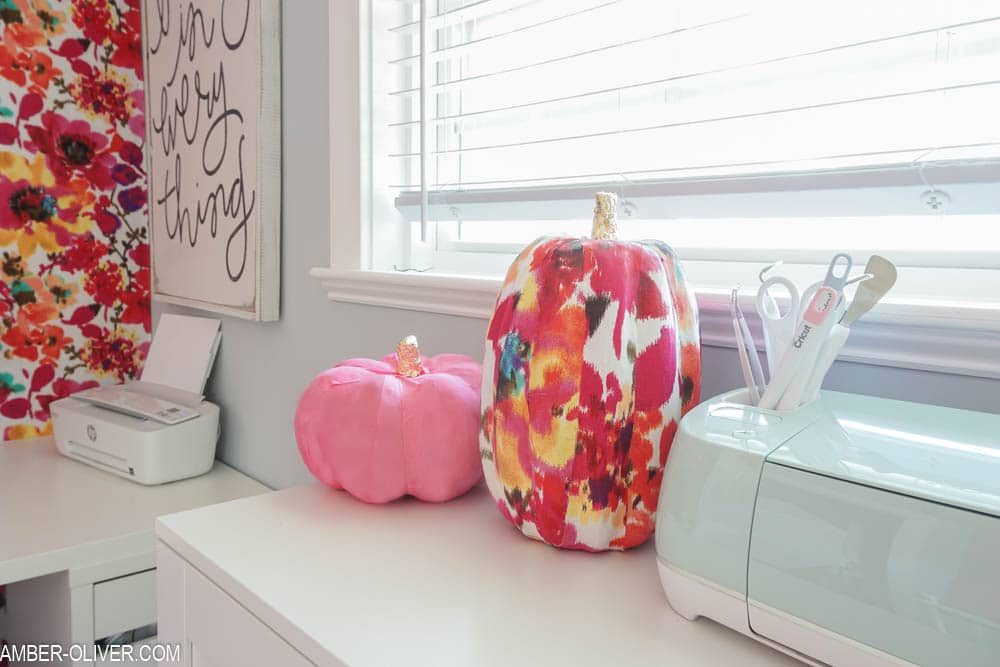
{"type": "Point", "coordinates": [449, 585]}
{"type": "Point", "coordinates": [58, 514]}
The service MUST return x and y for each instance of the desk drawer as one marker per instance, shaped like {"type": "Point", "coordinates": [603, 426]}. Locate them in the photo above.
{"type": "Point", "coordinates": [124, 603]}
{"type": "Point", "coordinates": [221, 632]}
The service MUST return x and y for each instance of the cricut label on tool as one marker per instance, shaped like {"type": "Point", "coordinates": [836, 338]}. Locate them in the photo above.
{"type": "Point", "coordinates": [806, 330]}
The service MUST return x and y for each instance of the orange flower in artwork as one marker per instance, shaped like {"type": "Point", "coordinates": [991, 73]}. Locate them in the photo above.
{"type": "Point", "coordinates": [23, 431]}
{"type": "Point", "coordinates": [21, 341]}
{"type": "Point", "coordinates": [14, 267]}
{"type": "Point", "coordinates": [63, 292]}
{"type": "Point", "coordinates": [22, 28]}
{"type": "Point", "coordinates": [32, 22]}
{"type": "Point", "coordinates": [54, 341]}
{"type": "Point", "coordinates": [20, 65]}
{"type": "Point", "coordinates": [38, 313]}
{"type": "Point", "coordinates": [39, 292]}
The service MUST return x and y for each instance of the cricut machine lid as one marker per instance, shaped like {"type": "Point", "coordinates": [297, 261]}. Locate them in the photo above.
{"type": "Point", "coordinates": [938, 454]}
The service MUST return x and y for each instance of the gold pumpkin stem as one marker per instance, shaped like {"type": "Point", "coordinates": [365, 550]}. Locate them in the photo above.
{"type": "Point", "coordinates": [605, 225]}
{"type": "Point", "coordinates": [408, 358]}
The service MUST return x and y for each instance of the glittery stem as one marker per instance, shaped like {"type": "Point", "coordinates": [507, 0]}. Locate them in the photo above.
{"type": "Point", "coordinates": [605, 225]}
{"type": "Point", "coordinates": [408, 358]}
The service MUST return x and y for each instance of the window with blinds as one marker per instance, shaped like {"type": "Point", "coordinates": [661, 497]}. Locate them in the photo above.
{"type": "Point", "coordinates": [739, 131]}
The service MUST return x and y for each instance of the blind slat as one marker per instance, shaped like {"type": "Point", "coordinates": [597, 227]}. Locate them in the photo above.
{"type": "Point", "coordinates": [910, 160]}
{"type": "Point", "coordinates": [470, 11]}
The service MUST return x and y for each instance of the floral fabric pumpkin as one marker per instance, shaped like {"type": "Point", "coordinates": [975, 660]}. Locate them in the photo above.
{"type": "Point", "coordinates": [592, 356]}
{"type": "Point", "coordinates": [404, 425]}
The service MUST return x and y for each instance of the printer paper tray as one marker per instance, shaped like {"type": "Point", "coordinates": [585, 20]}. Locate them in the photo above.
{"type": "Point", "coordinates": [98, 457]}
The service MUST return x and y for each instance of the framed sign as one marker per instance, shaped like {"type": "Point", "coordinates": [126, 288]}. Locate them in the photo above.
{"type": "Point", "coordinates": [213, 129]}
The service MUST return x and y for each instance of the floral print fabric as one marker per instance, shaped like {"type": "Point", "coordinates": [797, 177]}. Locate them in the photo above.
{"type": "Point", "coordinates": [592, 356]}
{"type": "Point", "coordinates": [74, 269]}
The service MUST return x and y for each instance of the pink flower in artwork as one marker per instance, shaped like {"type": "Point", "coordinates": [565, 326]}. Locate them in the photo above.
{"type": "Point", "coordinates": [61, 388]}
{"type": "Point", "coordinates": [72, 149]}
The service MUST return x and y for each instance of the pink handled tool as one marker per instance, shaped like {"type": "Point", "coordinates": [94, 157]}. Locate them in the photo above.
{"type": "Point", "coordinates": [815, 325]}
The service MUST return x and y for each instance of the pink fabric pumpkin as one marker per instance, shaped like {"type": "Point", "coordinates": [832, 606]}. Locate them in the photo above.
{"type": "Point", "coordinates": [402, 425]}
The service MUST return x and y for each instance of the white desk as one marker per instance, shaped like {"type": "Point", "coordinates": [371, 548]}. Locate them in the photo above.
{"type": "Point", "coordinates": [311, 576]}
{"type": "Point", "coordinates": [65, 526]}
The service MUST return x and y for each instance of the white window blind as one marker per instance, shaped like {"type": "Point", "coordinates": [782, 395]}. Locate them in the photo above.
{"type": "Point", "coordinates": [736, 130]}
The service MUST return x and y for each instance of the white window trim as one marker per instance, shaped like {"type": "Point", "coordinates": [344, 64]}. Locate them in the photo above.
{"type": "Point", "coordinates": [947, 338]}
{"type": "Point", "coordinates": [955, 339]}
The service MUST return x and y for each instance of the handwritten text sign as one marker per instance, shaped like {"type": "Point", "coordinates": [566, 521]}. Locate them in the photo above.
{"type": "Point", "coordinates": [203, 96]}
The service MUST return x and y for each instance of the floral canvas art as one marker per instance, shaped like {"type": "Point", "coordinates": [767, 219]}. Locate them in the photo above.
{"type": "Point", "coordinates": [74, 245]}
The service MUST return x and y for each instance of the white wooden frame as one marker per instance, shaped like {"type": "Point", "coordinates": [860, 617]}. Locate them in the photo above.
{"type": "Point", "coordinates": [267, 230]}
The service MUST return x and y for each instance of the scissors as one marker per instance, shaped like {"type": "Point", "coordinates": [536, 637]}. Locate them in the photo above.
{"type": "Point", "coordinates": [779, 326]}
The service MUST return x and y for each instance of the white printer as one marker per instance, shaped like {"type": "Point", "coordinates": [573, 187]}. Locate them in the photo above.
{"type": "Point", "coordinates": [156, 430]}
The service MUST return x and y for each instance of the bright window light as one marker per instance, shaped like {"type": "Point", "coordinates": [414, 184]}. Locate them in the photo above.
{"type": "Point", "coordinates": [738, 131]}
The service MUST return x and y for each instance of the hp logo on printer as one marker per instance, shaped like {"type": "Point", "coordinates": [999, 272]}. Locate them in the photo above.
{"type": "Point", "coordinates": [91, 432]}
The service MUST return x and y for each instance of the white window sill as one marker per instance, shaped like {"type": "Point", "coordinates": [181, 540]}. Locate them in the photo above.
{"type": "Point", "coordinates": [949, 338]}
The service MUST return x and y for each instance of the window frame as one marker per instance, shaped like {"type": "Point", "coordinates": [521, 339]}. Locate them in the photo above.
{"type": "Point", "coordinates": [956, 338]}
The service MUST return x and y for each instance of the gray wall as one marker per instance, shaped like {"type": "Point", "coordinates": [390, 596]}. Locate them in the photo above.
{"type": "Point", "coordinates": [262, 368]}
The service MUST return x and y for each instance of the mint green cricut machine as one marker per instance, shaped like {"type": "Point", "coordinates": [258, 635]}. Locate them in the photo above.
{"type": "Point", "coordinates": [853, 531]}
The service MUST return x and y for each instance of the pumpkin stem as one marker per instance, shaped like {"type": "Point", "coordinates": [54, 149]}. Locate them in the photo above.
{"type": "Point", "coordinates": [408, 358]}
{"type": "Point", "coordinates": [605, 225]}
